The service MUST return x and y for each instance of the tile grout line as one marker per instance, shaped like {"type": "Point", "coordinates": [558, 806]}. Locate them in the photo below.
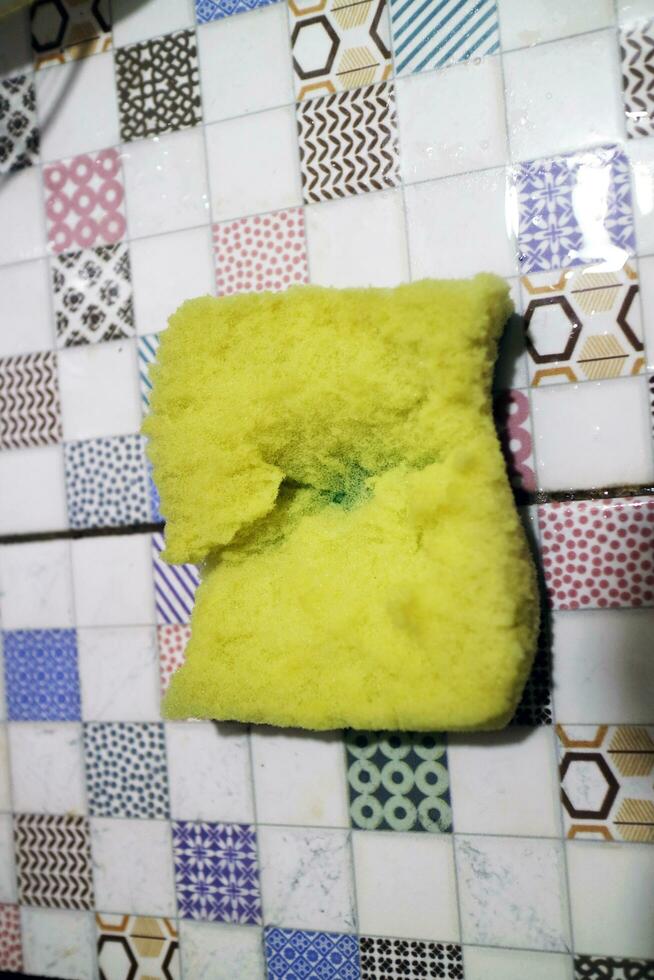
{"type": "Point", "coordinates": [350, 841]}
{"type": "Point", "coordinates": [257, 845]}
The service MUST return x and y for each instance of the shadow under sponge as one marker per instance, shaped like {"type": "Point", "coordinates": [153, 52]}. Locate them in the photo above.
{"type": "Point", "coordinates": [329, 458]}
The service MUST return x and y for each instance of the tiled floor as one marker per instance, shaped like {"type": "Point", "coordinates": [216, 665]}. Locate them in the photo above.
{"type": "Point", "coordinates": [155, 151]}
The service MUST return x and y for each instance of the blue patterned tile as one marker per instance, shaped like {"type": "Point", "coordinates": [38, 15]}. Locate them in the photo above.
{"type": "Point", "coordinates": [207, 10]}
{"type": "Point", "coordinates": [147, 351]}
{"type": "Point", "coordinates": [574, 209]}
{"type": "Point", "coordinates": [107, 482]}
{"type": "Point", "coordinates": [41, 677]}
{"type": "Point", "coordinates": [155, 501]}
{"type": "Point", "coordinates": [126, 770]}
{"type": "Point", "coordinates": [216, 872]}
{"type": "Point", "coordinates": [297, 954]}
{"type": "Point", "coordinates": [174, 586]}
{"type": "Point", "coordinates": [428, 35]}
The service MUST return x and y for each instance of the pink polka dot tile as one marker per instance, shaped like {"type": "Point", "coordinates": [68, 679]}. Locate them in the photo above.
{"type": "Point", "coordinates": [514, 429]}
{"type": "Point", "coordinates": [262, 252]}
{"type": "Point", "coordinates": [172, 639]}
{"type": "Point", "coordinates": [11, 950]}
{"type": "Point", "coordinates": [598, 553]}
{"type": "Point", "coordinates": [84, 201]}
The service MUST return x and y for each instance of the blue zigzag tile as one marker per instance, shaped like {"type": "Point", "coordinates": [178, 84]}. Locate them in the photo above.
{"type": "Point", "coordinates": [206, 10]}
{"type": "Point", "coordinates": [297, 954]}
{"type": "Point", "coordinates": [429, 34]}
{"type": "Point", "coordinates": [174, 586]}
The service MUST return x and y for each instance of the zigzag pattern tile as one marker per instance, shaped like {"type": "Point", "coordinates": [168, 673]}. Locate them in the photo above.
{"type": "Point", "coordinates": [637, 50]}
{"type": "Point", "coordinates": [29, 401]}
{"type": "Point", "coordinates": [53, 861]}
{"type": "Point", "coordinates": [348, 143]}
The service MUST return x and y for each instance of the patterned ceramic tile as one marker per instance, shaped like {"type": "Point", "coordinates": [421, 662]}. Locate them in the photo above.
{"type": "Point", "coordinates": [147, 351]}
{"type": "Point", "coordinates": [92, 293]}
{"type": "Point", "coordinates": [172, 640]}
{"type": "Point", "coordinates": [612, 968]}
{"type": "Point", "coordinates": [606, 781]}
{"type": "Point", "coordinates": [107, 482]}
{"type": "Point", "coordinates": [348, 143]}
{"type": "Point", "coordinates": [65, 30]}
{"type": "Point", "coordinates": [513, 422]}
{"type": "Point", "coordinates": [535, 707]}
{"type": "Point", "coordinates": [53, 861]}
{"type": "Point", "coordinates": [637, 50]}
{"type": "Point", "coordinates": [574, 210]}
{"type": "Point", "coordinates": [41, 677]}
{"type": "Point", "coordinates": [292, 953]}
{"type": "Point", "coordinates": [398, 781]}
{"type": "Point", "coordinates": [84, 201]}
{"type": "Point", "coordinates": [30, 413]}
{"type": "Point", "coordinates": [583, 324]}
{"type": "Point", "coordinates": [598, 553]}
{"type": "Point", "coordinates": [407, 959]}
{"type": "Point", "coordinates": [11, 950]}
{"type": "Point", "coordinates": [207, 10]}
{"type": "Point", "coordinates": [153, 494]}
{"type": "Point", "coordinates": [174, 586]}
{"type": "Point", "coordinates": [126, 771]}
{"type": "Point", "coordinates": [431, 35]}
{"type": "Point", "coordinates": [262, 252]}
{"type": "Point", "coordinates": [137, 946]}
{"type": "Point", "coordinates": [158, 86]}
{"type": "Point", "coordinates": [19, 131]}
{"type": "Point", "coordinates": [216, 872]}
{"type": "Point", "coordinates": [345, 45]}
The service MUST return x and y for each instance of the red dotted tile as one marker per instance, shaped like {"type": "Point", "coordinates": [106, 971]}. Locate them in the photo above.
{"type": "Point", "coordinates": [514, 430]}
{"type": "Point", "coordinates": [598, 553]}
{"type": "Point", "coordinates": [172, 639]}
{"type": "Point", "coordinates": [262, 252]}
{"type": "Point", "coordinates": [11, 950]}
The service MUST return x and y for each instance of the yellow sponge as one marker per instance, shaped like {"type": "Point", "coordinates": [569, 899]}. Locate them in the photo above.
{"type": "Point", "coordinates": [329, 457]}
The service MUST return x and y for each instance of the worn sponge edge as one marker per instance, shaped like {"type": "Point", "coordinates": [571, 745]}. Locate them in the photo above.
{"type": "Point", "coordinates": [330, 456]}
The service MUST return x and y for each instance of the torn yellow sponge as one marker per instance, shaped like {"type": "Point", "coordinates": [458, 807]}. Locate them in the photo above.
{"type": "Point", "coordinates": [329, 458]}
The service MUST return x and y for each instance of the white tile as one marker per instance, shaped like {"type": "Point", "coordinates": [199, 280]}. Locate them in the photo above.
{"type": "Point", "coordinates": [16, 47]}
{"type": "Point", "coordinates": [166, 183]}
{"type": "Point", "coordinates": [306, 878]}
{"type": "Point", "coordinates": [486, 963]}
{"type": "Point", "coordinates": [209, 767]}
{"type": "Point", "coordinates": [77, 107]}
{"type": "Point", "coordinates": [594, 434]}
{"type": "Point", "coordinates": [452, 120]}
{"type": "Point", "coordinates": [523, 24]}
{"type": "Point", "coordinates": [36, 586]}
{"type": "Point", "coordinates": [113, 580]}
{"type": "Point", "coordinates": [47, 767]}
{"type": "Point", "coordinates": [505, 782]}
{"type": "Point", "coordinates": [646, 270]}
{"type": "Point", "coordinates": [299, 778]}
{"type": "Point", "coordinates": [7, 865]}
{"type": "Point", "coordinates": [371, 237]}
{"type": "Point", "coordinates": [221, 952]}
{"type": "Point", "coordinates": [405, 885]}
{"type": "Point", "coordinates": [21, 209]}
{"type": "Point", "coordinates": [512, 892]}
{"type": "Point", "coordinates": [134, 20]}
{"type": "Point", "coordinates": [99, 390]}
{"type": "Point", "coordinates": [254, 164]}
{"type": "Point", "coordinates": [611, 898]}
{"type": "Point", "coordinates": [25, 313]}
{"type": "Point", "coordinates": [564, 96]}
{"type": "Point", "coordinates": [245, 63]}
{"type": "Point", "coordinates": [5, 782]}
{"type": "Point", "coordinates": [630, 11]}
{"type": "Point", "coordinates": [460, 226]}
{"type": "Point", "coordinates": [119, 673]}
{"type": "Point", "coordinates": [32, 490]}
{"type": "Point", "coordinates": [58, 943]}
{"type": "Point", "coordinates": [133, 866]}
{"type": "Point", "coordinates": [166, 270]}
{"type": "Point", "coordinates": [603, 668]}
{"type": "Point", "coordinates": [641, 157]}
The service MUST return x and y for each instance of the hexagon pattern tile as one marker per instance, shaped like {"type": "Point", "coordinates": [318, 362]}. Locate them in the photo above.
{"type": "Point", "coordinates": [137, 946]}
{"type": "Point", "coordinates": [65, 30]}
